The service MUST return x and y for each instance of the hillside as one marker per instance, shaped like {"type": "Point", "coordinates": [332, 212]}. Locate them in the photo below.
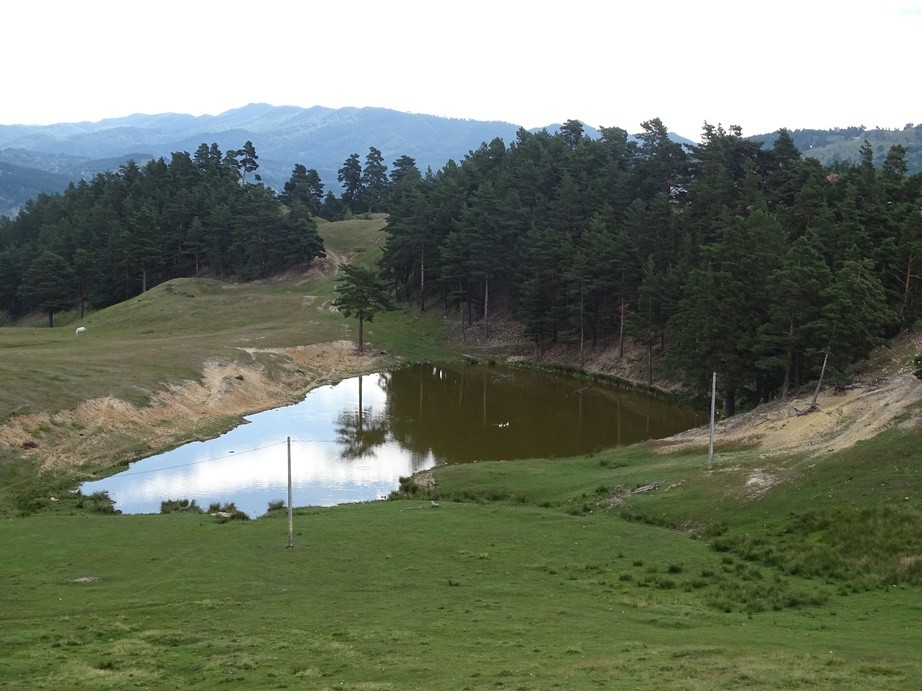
{"type": "Point", "coordinates": [843, 144]}
{"type": "Point", "coordinates": [794, 564]}
{"type": "Point", "coordinates": [885, 395]}
{"type": "Point", "coordinates": [19, 183]}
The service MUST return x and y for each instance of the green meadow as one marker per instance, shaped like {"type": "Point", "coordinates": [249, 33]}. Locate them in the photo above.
{"type": "Point", "coordinates": [538, 574]}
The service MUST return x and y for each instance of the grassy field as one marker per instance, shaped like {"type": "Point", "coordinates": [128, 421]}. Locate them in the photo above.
{"type": "Point", "coordinates": [528, 575]}
{"type": "Point", "coordinates": [401, 594]}
{"type": "Point", "coordinates": [165, 335]}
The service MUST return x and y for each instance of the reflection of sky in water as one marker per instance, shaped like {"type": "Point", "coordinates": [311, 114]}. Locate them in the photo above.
{"type": "Point", "coordinates": [249, 464]}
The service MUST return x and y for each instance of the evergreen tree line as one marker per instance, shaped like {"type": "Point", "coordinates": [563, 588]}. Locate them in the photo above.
{"type": "Point", "coordinates": [722, 257]}
{"type": "Point", "coordinates": [108, 239]}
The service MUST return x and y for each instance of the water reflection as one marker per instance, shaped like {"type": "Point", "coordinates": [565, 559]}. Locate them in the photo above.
{"type": "Point", "coordinates": [353, 441]}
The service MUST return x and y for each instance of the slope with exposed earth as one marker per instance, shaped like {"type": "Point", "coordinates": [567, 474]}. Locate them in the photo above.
{"type": "Point", "coordinates": [887, 393]}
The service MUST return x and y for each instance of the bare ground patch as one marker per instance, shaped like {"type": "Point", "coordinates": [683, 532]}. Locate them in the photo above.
{"type": "Point", "coordinates": [886, 396]}
{"type": "Point", "coordinates": [841, 420]}
{"type": "Point", "coordinates": [759, 482]}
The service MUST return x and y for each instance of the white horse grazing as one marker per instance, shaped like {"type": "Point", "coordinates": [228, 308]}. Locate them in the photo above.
{"type": "Point", "coordinates": [81, 330]}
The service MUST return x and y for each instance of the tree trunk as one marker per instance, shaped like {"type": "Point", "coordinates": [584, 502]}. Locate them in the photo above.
{"type": "Point", "coordinates": [582, 334]}
{"type": "Point", "coordinates": [729, 402]}
{"type": "Point", "coordinates": [786, 385]}
{"type": "Point", "coordinates": [907, 285]}
{"type": "Point", "coordinates": [422, 277]}
{"type": "Point", "coordinates": [790, 363]}
{"type": "Point", "coordinates": [622, 309]}
{"type": "Point", "coordinates": [461, 308]}
{"type": "Point", "coordinates": [361, 335]}
{"type": "Point", "coordinates": [819, 384]}
{"type": "Point", "coordinates": [486, 305]}
{"type": "Point", "coordinates": [650, 361]}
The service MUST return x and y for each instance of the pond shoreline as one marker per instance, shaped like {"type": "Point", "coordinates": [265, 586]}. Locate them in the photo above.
{"type": "Point", "coordinates": [101, 436]}
{"type": "Point", "coordinates": [353, 440]}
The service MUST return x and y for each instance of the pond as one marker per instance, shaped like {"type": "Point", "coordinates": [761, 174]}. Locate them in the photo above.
{"type": "Point", "coordinates": [352, 441]}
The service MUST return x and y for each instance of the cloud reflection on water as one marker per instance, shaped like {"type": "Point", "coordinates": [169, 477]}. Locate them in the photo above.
{"type": "Point", "coordinates": [249, 464]}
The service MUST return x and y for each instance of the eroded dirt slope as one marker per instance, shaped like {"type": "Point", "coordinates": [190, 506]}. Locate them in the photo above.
{"type": "Point", "coordinates": [105, 430]}
{"type": "Point", "coordinates": [886, 394]}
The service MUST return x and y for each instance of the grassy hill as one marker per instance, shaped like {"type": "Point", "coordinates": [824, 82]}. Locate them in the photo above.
{"type": "Point", "coordinates": [843, 144]}
{"type": "Point", "coordinates": [793, 564]}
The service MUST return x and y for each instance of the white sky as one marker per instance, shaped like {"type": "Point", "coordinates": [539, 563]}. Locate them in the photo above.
{"type": "Point", "coordinates": [761, 65]}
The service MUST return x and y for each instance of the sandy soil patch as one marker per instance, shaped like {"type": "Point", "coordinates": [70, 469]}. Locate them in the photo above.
{"type": "Point", "coordinates": [886, 396]}
{"type": "Point", "coordinates": [840, 421]}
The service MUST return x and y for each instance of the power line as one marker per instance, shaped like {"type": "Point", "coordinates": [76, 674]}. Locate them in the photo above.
{"type": "Point", "coordinates": [235, 454]}
{"type": "Point", "coordinates": [128, 473]}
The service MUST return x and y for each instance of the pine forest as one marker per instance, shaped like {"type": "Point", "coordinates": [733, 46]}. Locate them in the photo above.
{"type": "Point", "coordinates": [753, 262]}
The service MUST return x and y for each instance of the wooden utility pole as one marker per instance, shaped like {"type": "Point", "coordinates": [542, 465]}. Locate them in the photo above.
{"type": "Point", "coordinates": [290, 523]}
{"type": "Point", "coordinates": [819, 384]}
{"type": "Point", "coordinates": [713, 407]}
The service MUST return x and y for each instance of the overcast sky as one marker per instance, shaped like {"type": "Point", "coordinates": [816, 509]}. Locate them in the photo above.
{"type": "Point", "coordinates": [761, 65]}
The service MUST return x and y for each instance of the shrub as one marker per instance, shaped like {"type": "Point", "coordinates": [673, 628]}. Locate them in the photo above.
{"type": "Point", "coordinates": [179, 506]}
{"type": "Point", "coordinates": [224, 517]}
{"type": "Point", "coordinates": [101, 502]}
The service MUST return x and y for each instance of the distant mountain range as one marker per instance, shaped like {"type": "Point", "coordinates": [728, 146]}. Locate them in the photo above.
{"type": "Point", "coordinates": [45, 158]}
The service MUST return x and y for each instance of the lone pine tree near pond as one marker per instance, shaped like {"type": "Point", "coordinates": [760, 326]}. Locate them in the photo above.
{"type": "Point", "coordinates": [362, 293]}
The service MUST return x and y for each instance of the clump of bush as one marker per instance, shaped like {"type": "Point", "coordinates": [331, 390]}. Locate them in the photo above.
{"type": "Point", "coordinates": [180, 506]}
{"type": "Point", "coordinates": [276, 505]}
{"type": "Point", "coordinates": [227, 511]}
{"type": "Point", "coordinates": [407, 488]}
{"type": "Point", "coordinates": [99, 502]}
{"type": "Point", "coordinates": [855, 549]}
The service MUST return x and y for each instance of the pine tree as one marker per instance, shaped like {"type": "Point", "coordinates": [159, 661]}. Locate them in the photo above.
{"type": "Point", "coordinates": [350, 177]}
{"type": "Point", "coordinates": [48, 285]}
{"type": "Point", "coordinates": [374, 181]}
{"type": "Point", "coordinates": [361, 293]}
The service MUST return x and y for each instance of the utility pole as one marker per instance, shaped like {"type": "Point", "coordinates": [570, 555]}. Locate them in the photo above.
{"type": "Point", "coordinates": [713, 406]}
{"type": "Point", "coordinates": [290, 526]}
{"type": "Point", "coordinates": [819, 384]}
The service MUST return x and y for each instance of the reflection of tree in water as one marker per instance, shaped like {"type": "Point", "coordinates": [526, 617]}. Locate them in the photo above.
{"type": "Point", "coordinates": [462, 412]}
{"type": "Point", "coordinates": [361, 430]}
